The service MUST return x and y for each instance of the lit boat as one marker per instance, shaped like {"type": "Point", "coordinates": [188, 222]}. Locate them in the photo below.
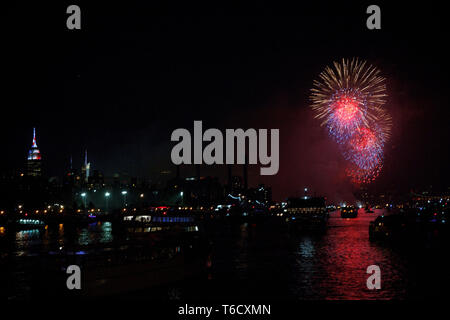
{"type": "Point", "coordinates": [349, 212]}
{"type": "Point", "coordinates": [306, 213]}
{"type": "Point", "coordinates": [164, 221]}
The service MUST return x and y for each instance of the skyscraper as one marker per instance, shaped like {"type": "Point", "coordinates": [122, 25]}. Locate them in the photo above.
{"type": "Point", "coordinates": [34, 165]}
{"type": "Point", "coordinates": [85, 169]}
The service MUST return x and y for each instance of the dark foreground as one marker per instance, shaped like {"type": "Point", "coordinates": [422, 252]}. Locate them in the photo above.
{"type": "Point", "coordinates": [244, 261]}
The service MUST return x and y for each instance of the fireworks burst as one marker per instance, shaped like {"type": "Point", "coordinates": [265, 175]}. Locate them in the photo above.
{"type": "Point", "coordinates": [360, 176]}
{"type": "Point", "coordinates": [383, 125]}
{"type": "Point", "coordinates": [364, 149]}
{"type": "Point", "coordinates": [348, 97]}
{"type": "Point", "coordinates": [348, 100]}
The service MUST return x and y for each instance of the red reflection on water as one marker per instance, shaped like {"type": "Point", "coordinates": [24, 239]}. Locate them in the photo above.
{"type": "Point", "coordinates": [346, 252]}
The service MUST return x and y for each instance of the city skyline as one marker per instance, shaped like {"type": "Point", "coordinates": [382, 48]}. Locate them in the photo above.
{"type": "Point", "coordinates": [122, 97]}
{"type": "Point", "coordinates": [183, 172]}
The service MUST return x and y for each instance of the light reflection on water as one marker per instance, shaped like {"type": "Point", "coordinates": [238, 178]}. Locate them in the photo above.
{"type": "Point", "coordinates": [96, 233]}
{"type": "Point", "coordinates": [336, 264]}
{"type": "Point", "coordinates": [251, 260]}
{"type": "Point", "coordinates": [315, 267]}
{"type": "Point", "coordinates": [48, 238]}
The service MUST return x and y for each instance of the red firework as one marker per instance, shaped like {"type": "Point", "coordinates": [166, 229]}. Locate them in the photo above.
{"type": "Point", "coordinates": [349, 100]}
{"type": "Point", "coordinates": [346, 109]}
{"type": "Point", "coordinates": [359, 176]}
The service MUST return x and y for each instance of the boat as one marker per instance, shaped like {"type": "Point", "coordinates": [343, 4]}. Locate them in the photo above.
{"type": "Point", "coordinates": [411, 226]}
{"type": "Point", "coordinates": [25, 223]}
{"type": "Point", "coordinates": [160, 221]}
{"type": "Point", "coordinates": [349, 212]}
{"type": "Point", "coordinates": [306, 213]}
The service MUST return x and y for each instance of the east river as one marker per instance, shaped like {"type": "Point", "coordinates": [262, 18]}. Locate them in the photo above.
{"type": "Point", "coordinates": [262, 261]}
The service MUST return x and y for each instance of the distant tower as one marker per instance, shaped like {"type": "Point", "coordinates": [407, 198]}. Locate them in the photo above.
{"type": "Point", "coordinates": [85, 168]}
{"type": "Point", "coordinates": [34, 164]}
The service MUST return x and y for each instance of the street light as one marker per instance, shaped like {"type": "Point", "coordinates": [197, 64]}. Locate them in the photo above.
{"type": "Point", "coordinates": [181, 196]}
{"type": "Point", "coordinates": [107, 194]}
{"type": "Point", "coordinates": [83, 195]}
{"type": "Point", "coordinates": [124, 193]}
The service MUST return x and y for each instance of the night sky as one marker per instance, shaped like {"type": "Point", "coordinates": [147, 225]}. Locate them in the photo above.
{"type": "Point", "coordinates": [134, 73]}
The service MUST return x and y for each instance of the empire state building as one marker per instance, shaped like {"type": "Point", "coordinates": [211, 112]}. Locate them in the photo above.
{"type": "Point", "coordinates": [34, 166]}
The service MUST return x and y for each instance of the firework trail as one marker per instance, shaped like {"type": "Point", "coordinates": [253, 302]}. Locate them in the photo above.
{"type": "Point", "coordinates": [364, 149]}
{"type": "Point", "coordinates": [348, 99]}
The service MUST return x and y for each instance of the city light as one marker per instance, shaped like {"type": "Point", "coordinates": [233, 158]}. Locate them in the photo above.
{"type": "Point", "coordinates": [83, 195]}
{"type": "Point", "coordinates": [124, 193]}
{"type": "Point", "coordinates": [107, 194]}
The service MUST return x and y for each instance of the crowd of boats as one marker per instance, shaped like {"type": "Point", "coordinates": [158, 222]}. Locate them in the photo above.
{"type": "Point", "coordinates": [297, 214]}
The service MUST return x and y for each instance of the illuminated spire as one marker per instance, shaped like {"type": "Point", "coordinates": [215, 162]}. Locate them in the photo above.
{"type": "Point", "coordinates": [34, 153]}
{"type": "Point", "coordinates": [34, 159]}
{"type": "Point", "coordinates": [34, 145]}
